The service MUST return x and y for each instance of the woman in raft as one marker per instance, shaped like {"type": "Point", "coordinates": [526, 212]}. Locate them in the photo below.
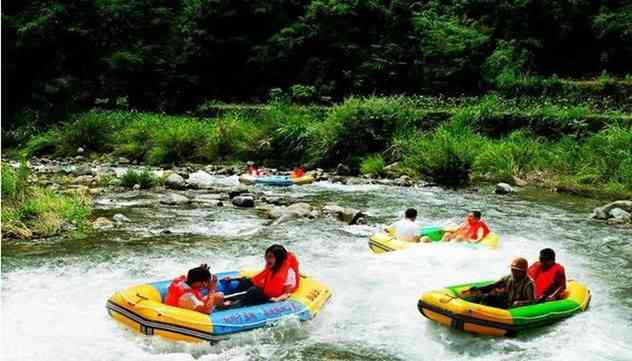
{"type": "Point", "coordinates": [473, 230]}
{"type": "Point", "coordinates": [275, 283]}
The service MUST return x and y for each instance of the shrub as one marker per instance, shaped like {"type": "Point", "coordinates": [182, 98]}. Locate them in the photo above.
{"type": "Point", "coordinates": [373, 165]}
{"type": "Point", "coordinates": [94, 131]}
{"type": "Point", "coordinates": [14, 182]}
{"type": "Point", "coordinates": [144, 178]}
{"type": "Point", "coordinates": [43, 143]}
{"type": "Point", "coordinates": [178, 139]}
{"type": "Point", "coordinates": [303, 94]}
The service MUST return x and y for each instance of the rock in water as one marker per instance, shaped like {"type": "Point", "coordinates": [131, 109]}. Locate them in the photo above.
{"type": "Point", "coordinates": [80, 150]}
{"type": "Point", "coordinates": [619, 216]}
{"type": "Point", "coordinates": [243, 201]}
{"type": "Point", "coordinates": [200, 180]}
{"type": "Point", "coordinates": [343, 170]}
{"type": "Point", "coordinates": [604, 212]}
{"type": "Point", "coordinates": [102, 223]}
{"type": "Point", "coordinates": [123, 160]}
{"type": "Point", "coordinates": [120, 218]}
{"type": "Point", "coordinates": [503, 188]}
{"type": "Point", "coordinates": [82, 169]}
{"type": "Point", "coordinates": [174, 199]}
{"type": "Point", "coordinates": [175, 181]}
{"type": "Point", "coordinates": [239, 190]}
{"type": "Point", "coordinates": [136, 187]}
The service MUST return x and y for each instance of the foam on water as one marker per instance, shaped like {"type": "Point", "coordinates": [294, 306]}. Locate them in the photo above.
{"type": "Point", "coordinates": [53, 301]}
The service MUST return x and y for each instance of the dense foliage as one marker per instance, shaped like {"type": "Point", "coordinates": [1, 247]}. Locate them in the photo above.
{"type": "Point", "coordinates": [61, 56]}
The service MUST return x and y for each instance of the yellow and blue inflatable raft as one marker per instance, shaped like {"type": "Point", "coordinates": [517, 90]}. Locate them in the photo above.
{"type": "Point", "coordinates": [275, 180]}
{"type": "Point", "coordinates": [454, 307]}
{"type": "Point", "coordinates": [141, 308]}
{"type": "Point", "coordinates": [388, 242]}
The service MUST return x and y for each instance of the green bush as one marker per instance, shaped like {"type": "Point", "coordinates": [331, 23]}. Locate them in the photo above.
{"type": "Point", "coordinates": [14, 182]}
{"type": "Point", "coordinates": [373, 165]}
{"type": "Point", "coordinates": [145, 178]}
{"type": "Point", "coordinates": [303, 94]}
{"type": "Point", "coordinates": [178, 139]}
{"type": "Point", "coordinates": [94, 131]}
{"type": "Point", "coordinates": [43, 143]}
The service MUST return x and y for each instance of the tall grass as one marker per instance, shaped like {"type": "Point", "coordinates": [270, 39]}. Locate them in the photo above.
{"type": "Point", "coordinates": [373, 165]}
{"type": "Point", "coordinates": [145, 179]}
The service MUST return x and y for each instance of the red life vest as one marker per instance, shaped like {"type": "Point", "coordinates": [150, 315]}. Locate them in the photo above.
{"type": "Point", "coordinates": [472, 232]}
{"type": "Point", "coordinates": [544, 279]}
{"type": "Point", "coordinates": [179, 288]}
{"type": "Point", "coordinates": [272, 283]}
{"type": "Point", "coordinates": [298, 173]}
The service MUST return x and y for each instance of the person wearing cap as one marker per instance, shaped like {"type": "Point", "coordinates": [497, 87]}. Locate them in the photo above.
{"type": "Point", "coordinates": [514, 290]}
{"type": "Point", "coordinates": [549, 277]}
{"type": "Point", "coordinates": [406, 229]}
{"type": "Point", "coordinates": [186, 291]}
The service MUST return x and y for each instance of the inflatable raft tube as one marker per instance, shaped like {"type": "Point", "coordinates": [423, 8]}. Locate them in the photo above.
{"type": "Point", "coordinates": [386, 242]}
{"type": "Point", "coordinates": [278, 181]}
{"type": "Point", "coordinates": [141, 308]}
{"type": "Point", "coordinates": [453, 307]}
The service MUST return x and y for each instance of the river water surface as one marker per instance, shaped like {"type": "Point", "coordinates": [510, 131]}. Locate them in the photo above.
{"type": "Point", "coordinates": [54, 291]}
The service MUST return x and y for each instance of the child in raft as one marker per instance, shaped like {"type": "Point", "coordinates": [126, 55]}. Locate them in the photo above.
{"type": "Point", "coordinates": [473, 230]}
{"type": "Point", "coordinates": [186, 291]}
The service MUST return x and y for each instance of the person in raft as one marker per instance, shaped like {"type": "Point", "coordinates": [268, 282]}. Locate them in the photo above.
{"type": "Point", "coordinates": [252, 169]}
{"type": "Point", "coordinates": [186, 291]}
{"type": "Point", "coordinates": [298, 172]}
{"type": "Point", "coordinates": [473, 230]}
{"type": "Point", "coordinates": [514, 290]}
{"type": "Point", "coordinates": [549, 277]}
{"type": "Point", "coordinates": [406, 229]}
{"type": "Point", "coordinates": [275, 283]}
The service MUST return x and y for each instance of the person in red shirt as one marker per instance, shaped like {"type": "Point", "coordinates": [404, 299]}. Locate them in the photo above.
{"type": "Point", "coordinates": [549, 277]}
{"type": "Point", "coordinates": [473, 230]}
{"type": "Point", "coordinates": [186, 291]}
{"type": "Point", "coordinates": [298, 172]}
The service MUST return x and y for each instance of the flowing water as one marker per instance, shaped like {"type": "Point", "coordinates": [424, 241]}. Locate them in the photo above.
{"type": "Point", "coordinates": [54, 291]}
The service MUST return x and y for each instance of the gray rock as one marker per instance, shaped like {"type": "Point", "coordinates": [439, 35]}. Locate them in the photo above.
{"type": "Point", "coordinates": [212, 200]}
{"type": "Point", "coordinates": [337, 179]}
{"type": "Point", "coordinates": [403, 181]}
{"type": "Point", "coordinates": [80, 158]}
{"type": "Point", "coordinates": [81, 169]}
{"type": "Point", "coordinates": [347, 215]}
{"type": "Point", "coordinates": [120, 218]}
{"type": "Point", "coordinates": [80, 150]}
{"type": "Point", "coordinates": [246, 201]}
{"type": "Point", "coordinates": [102, 223]}
{"type": "Point", "coordinates": [604, 212]}
{"type": "Point", "coordinates": [239, 190]}
{"type": "Point", "coordinates": [332, 209]}
{"type": "Point", "coordinates": [136, 187]}
{"type": "Point", "coordinates": [619, 216]}
{"type": "Point", "coordinates": [503, 188]}
{"type": "Point", "coordinates": [175, 181]}
{"type": "Point", "coordinates": [123, 160]}
{"type": "Point", "coordinates": [294, 211]}
{"type": "Point", "coordinates": [278, 201]}
{"type": "Point", "coordinates": [174, 199]}
{"type": "Point", "coordinates": [343, 170]}
{"type": "Point", "coordinates": [200, 180]}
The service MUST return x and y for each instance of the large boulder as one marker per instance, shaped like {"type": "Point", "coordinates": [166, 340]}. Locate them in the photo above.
{"type": "Point", "coordinates": [619, 216]}
{"type": "Point", "coordinates": [347, 215]}
{"type": "Point", "coordinates": [175, 181]}
{"type": "Point", "coordinates": [294, 211]}
{"type": "Point", "coordinates": [503, 188]}
{"type": "Point", "coordinates": [604, 212]}
{"type": "Point", "coordinates": [246, 201]}
{"type": "Point", "coordinates": [174, 199]}
{"type": "Point", "coordinates": [200, 180]}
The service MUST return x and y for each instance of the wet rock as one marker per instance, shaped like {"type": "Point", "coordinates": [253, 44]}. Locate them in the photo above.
{"type": "Point", "coordinates": [337, 179]}
{"type": "Point", "coordinates": [165, 231]}
{"type": "Point", "coordinates": [200, 180]}
{"type": "Point", "coordinates": [102, 223]}
{"type": "Point", "coordinates": [136, 187]}
{"type": "Point", "coordinates": [385, 181]}
{"type": "Point", "coordinates": [343, 170]}
{"type": "Point", "coordinates": [175, 181]}
{"type": "Point", "coordinates": [403, 181]}
{"type": "Point", "coordinates": [81, 169]}
{"type": "Point", "coordinates": [347, 215]}
{"type": "Point", "coordinates": [278, 201]}
{"type": "Point", "coordinates": [174, 199]}
{"type": "Point", "coordinates": [120, 218]}
{"type": "Point", "coordinates": [241, 189]}
{"type": "Point", "coordinates": [355, 181]}
{"type": "Point", "coordinates": [245, 201]}
{"type": "Point", "coordinates": [79, 158]}
{"type": "Point", "coordinates": [212, 200]}
{"type": "Point", "coordinates": [80, 150]}
{"type": "Point", "coordinates": [294, 211]}
{"type": "Point", "coordinates": [604, 212]}
{"type": "Point", "coordinates": [503, 188]}
{"type": "Point", "coordinates": [520, 182]}
{"type": "Point", "coordinates": [123, 160]}
{"type": "Point", "coordinates": [619, 216]}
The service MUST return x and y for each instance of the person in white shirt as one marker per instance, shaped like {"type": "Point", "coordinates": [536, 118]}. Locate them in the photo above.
{"type": "Point", "coordinates": [406, 229]}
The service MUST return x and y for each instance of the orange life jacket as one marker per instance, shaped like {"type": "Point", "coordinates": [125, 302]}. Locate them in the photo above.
{"type": "Point", "coordinates": [272, 283]}
{"type": "Point", "coordinates": [179, 288]}
{"type": "Point", "coordinates": [472, 232]}
{"type": "Point", "coordinates": [298, 172]}
{"type": "Point", "coordinates": [544, 279]}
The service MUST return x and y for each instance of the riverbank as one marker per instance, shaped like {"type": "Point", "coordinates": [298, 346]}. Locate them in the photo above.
{"type": "Point", "coordinates": [584, 149]}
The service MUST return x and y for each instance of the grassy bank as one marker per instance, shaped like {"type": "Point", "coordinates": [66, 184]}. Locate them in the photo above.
{"type": "Point", "coordinates": [31, 211]}
{"type": "Point", "coordinates": [586, 146]}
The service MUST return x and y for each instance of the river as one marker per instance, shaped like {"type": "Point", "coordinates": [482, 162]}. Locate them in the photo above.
{"type": "Point", "coordinates": [54, 290]}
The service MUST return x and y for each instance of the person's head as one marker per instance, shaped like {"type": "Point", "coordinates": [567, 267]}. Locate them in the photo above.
{"type": "Point", "coordinates": [473, 216]}
{"type": "Point", "coordinates": [547, 257]}
{"type": "Point", "coordinates": [411, 213]}
{"type": "Point", "coordinates": [199, 277]}
{"type": "Point", "coordinates": [275, 255]}
{"type": "Point", "coordinates": [250, 164]}
{"type": "Point", "coordinates": [519, 268]}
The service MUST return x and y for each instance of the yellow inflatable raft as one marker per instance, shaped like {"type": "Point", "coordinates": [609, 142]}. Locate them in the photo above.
{"type": "Point", "coordinates": [141, 308]}
{"type": "Point", "coordinates": [385, 242]}
{"type": "Point", "coordinates": [453, 307]}
{"type": "Point", "coordinates": [276, 180]}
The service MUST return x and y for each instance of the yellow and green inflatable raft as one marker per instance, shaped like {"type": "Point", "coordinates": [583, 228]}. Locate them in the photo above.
{"type": "Point", "coordinates": [141, 308]}
{"type": "Point", "coordinates": [387, 242]}
{"type": "Point", "coordinates": [451, 306]}
{"type": "Point", "coordinates": [275, 180]}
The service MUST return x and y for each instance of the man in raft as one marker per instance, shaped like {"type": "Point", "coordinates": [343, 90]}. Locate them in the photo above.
{"type": "Point", "coordinates": [407, 228]}
{"type": "Point", "coordinates": [275, 283]}
{"type": "Point", "coordinates": [549, 277]}
{"type": "Point", "coordinates": [473, 230]}
{"type": "Point", "coordinates": [514, 290]}
{"type": "Point", "coordinates": [186, 291]}
{"type": "Point", "coordinates": [298, 172]}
